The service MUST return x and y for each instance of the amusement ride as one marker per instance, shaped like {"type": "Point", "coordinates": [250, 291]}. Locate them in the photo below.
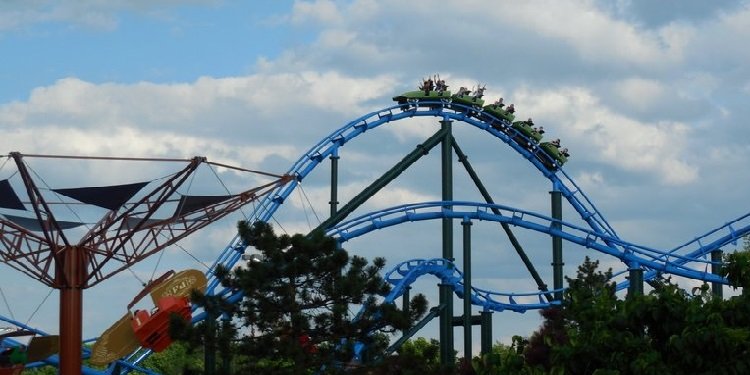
{"type": "Point", "coordinates": [143, 218]}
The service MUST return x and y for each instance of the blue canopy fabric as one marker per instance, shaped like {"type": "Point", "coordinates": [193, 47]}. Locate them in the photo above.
{"type": "Point", "coordinates": [9, 198]}
{"type": "Point", "coordinates": [109, 197]}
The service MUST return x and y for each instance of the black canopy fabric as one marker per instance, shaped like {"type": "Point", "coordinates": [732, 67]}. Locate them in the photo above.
{"type": "Point", "coordinates": [131, 221]}
{"type": "Point", "coordinates": [34, 225]}
{"type": "Point", "coordinates": [190, 203]}
{"type": "Point", "coordinates": [8, 197]}
{"type": "Point", "coordinates": [109, 197]}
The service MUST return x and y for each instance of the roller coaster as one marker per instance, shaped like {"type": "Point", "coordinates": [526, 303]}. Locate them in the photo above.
{"type": "Point", "coordinates": [641, 263]}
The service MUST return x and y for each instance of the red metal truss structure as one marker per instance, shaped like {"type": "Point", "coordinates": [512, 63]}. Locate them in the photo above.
{"type": "Point", "coordinates": [127, 234]}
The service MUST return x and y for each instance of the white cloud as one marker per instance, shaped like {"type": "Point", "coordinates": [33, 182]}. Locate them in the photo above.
{"type": "Point", "coordinates": [618, 140]}
{"type": "Point", "coordinates": [640, 93]}
{"type": "Point", "coordinates": [319, 11]}
{"type": "Point", "coordinates": [595, 34]}
{"type": "Point", "coordinates": [74, 103]}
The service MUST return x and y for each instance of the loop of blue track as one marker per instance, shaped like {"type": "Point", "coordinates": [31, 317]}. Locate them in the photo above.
{"type": "Point", "coordinates": [406, 273]}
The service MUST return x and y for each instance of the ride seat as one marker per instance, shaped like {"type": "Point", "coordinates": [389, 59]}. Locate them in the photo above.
{"type": "Point", "coordinates": [152, 330]}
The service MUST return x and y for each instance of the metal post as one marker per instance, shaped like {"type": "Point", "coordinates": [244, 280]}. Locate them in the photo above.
{"type": "Point", "coordinates": [226, 357]}
{"type": "Point", "coordinates": [486, 328]}
{"type": "Point", "coordinates": [557, 257]}
{"type": "Point", "coordinates": [209, 345]}
{"type": "Point", "coordinates": [334, 183]}
{"type": "Point", "coordinates": [334, 208]}
{"type": "Point", "coordinates": [405, 297]}
{"type": "Point", "coordinates": [71, 273]}
{"type": "Point", "coordinates": [463, 159]}
{"type": "Point", "coordinates": [447, 354]}
{"type": "Point", "coordinates": [716, 263]}
{"type": "Point", "coordinates": [467, 288]}
{"type": "Point", "coordinates": [636, 280]}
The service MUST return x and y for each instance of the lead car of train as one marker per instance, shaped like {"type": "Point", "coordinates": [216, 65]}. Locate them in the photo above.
{"type": "Point", "coordinates": [435, 93]}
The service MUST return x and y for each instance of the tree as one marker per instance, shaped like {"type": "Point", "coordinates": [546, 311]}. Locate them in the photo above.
{"type": "Point", "coordinates": [668, 331]}
{"type": "Point", "coordinates": [295, 312]}
{"type": "Point", "coordinates": [177, 359]}
{"type": "Point", "coordinates": [736, 268]}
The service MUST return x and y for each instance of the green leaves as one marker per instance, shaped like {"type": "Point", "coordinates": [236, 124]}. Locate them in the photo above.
{"type": "Point", "coordinates": [295, 314]}
{"type": "Point", "coordinates": [668, 331]}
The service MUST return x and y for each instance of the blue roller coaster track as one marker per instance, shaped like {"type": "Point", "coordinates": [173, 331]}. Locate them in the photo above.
{"type": "Point", "coordinates": [687, 260]}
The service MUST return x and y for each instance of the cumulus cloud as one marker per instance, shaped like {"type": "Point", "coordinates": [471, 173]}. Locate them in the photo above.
{"type": "Point", "coordinates": [657, 148]}
{"type": "Point", "coordinates": [217, 108]}
{"type": "Point", "coordinates": [319, 11]}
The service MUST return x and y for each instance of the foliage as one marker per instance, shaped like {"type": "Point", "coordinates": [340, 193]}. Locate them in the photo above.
{"type": "Point", "coordinates": [294, 314]}
{"type": "Point", "coordinates": [668, 331]}
{"type": "Point", "coordinates": [44, 370]}
{"type": "Point", "coordinates": [301, 287]}
{"type": "Point", "coordinates": [736, 268]}
{"type": "Point", "coordinates": [417, 357]}
{"type": "Point", "coordinates": [177, 359]}
{"type": "Point", "coordinates": [505, 359]}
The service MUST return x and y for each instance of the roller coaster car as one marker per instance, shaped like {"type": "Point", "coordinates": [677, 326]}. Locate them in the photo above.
{"type": "Point", "coordinates": [467, 100]}
{"type": "Point", "coordinates": [152, 330]}
{"type": "Point", "coordinates": [525, 128]}
{"type": "Point", "coordinates": [553, 151]}
{"type": "Point", "coordinates": [421, 95]}
{"type": "Point", "coordinates": [498, 111]}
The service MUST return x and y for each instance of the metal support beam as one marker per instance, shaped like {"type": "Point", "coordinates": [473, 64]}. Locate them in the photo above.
{"type": "Point", "coordinates": [226, 356]}
{"type": "Point", "coordinates": [458, 321]}
{"type": "Point", "coordinates": [464, 160]}
{"type": "Point", "coordinates": [434, 312]}
{"type": "Point", "coordinates": [557, 256]}
{"type": "Point", "coordinates": [447, 352]}
{"type": "Point", "coordinates": [486, 335]}
{"type": "Point", "coordinates": [635, 288]}
{"type": "Point", "coordinates": [209, 343]}
{"type": "Point", "coordinates": [334, 183]}
{"type": "Point", "coordinates": [405, 297]}
{"type": "Point", "coordinates": [466, 224]}
{"type": "Point", "coordinates": [716, 264]}
{"type": "Point", "coordinates": [386, 178]}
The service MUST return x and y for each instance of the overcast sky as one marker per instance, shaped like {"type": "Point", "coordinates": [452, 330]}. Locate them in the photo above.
{"type": "Point", "coordinates": [650, 97]}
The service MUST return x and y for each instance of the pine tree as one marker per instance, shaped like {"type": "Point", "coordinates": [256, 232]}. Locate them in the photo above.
{"type": "Point", "coordinates": [295, 314]}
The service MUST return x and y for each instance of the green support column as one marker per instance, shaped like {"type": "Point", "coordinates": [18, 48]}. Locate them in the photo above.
{"type": "Point", "coordinates": [486, 332]}
{"type": "Point", "coordinates": [463, 159]}
{"type": "Point", "coordinates": [334, 183]}
{"type": "Point", "coordinates": [557, 257]}
{"type": "Point", "coordinates": [226, 357]}
{"type": "Point", "coordinates": [447, 354]}
{"type": "Point", "coordinates": [209, 345]}
{"type": "Point", "coordinates": [405, 301]}
{"type": "Point", "coordinates": [334, 208]}
{"type": "Point", "coordinates": [466, 224]}
{"type": "Point", "coordinates": [716, 262]}
{"type": "Point", "coordinates": [636, 280]}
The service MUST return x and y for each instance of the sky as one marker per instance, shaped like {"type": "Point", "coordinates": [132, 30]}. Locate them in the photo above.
{"type": "Point", "coordinates": [650, 98]}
